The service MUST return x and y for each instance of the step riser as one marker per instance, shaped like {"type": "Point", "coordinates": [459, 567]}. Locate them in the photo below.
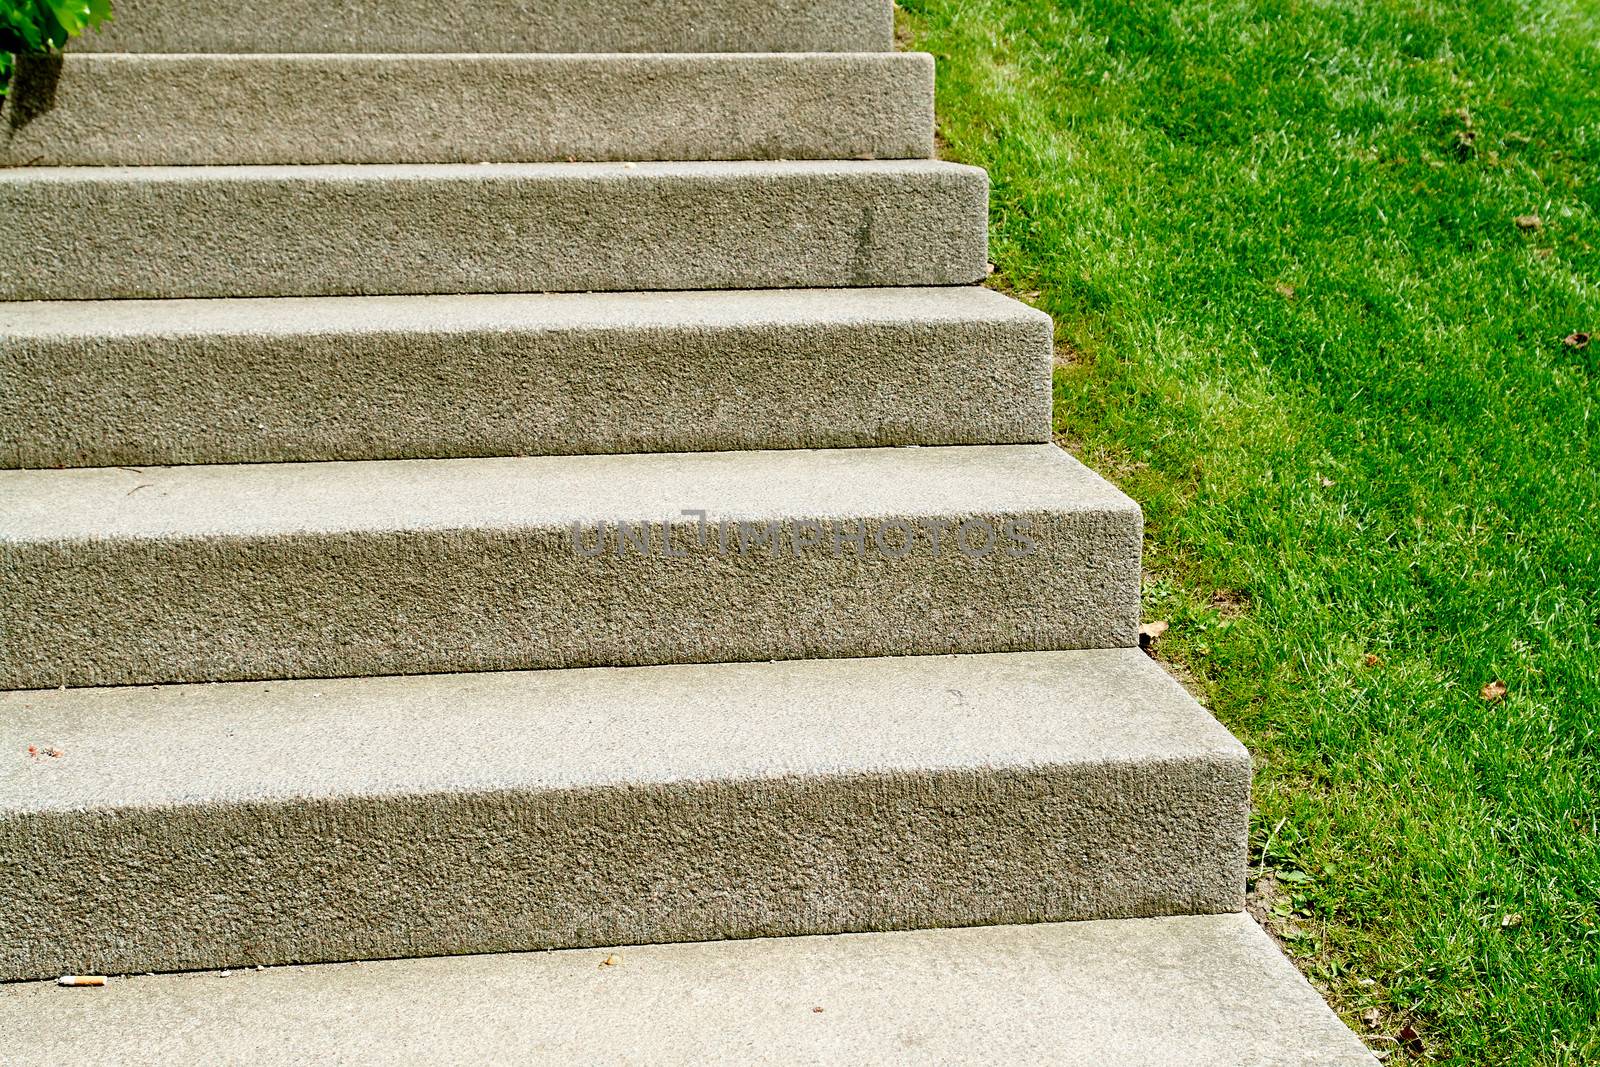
{"type": "Point", "coordinates": [498, 26]}
{"type": "Point", "coordinates": [207, 608]}
{"type": "Point", "coordinates": [207, 232]}
{"type": "Point", "coordinates": [362, 878]}
{"type": "Point", "coordinates": [131, 383]}
{"type": "Point", "coordinates": [183, 110]}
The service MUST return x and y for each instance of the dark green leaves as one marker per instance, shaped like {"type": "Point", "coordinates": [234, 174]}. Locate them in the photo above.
{"type": "Point", "coordinates": [43, 26]}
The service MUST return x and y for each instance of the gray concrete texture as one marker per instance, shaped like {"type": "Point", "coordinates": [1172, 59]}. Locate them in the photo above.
{"type": "Point", "coordinates": [183, 827]}
{"type": "Point", "coordinates": [218, 109]}
{"type": "Point", "coordinates": [118, 232]}
{"type": "Point", "coordinates": [1193, 991]}
{"type": "Point", "coordinates": [498, 26]}
{"type": "Point", "coordinates": [107, 383]}
{"type": "Point", "coordinates": [212, 573]}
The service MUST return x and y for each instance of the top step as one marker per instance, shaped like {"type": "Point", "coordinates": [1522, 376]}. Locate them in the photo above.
{"type": "Point", "coordinates": [498, 26]}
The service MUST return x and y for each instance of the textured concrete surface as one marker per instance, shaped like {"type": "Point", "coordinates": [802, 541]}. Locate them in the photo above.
{"type": "Point", "coordinates": [500, 26]}
{"type": "Point", "coordinates": [210, 573]}
{"type": "Point", "coordinates": [1198, 991]}
{"type": "Point", "coordinates": [111, 232]}
{"type": "Point", "coordinates": [106, 383]}
{"type": "Point", "coordinates": [215, 109]}
{"type": "Point", "coordinates": [357, 818]}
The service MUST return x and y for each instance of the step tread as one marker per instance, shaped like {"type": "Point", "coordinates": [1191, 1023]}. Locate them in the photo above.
{"type": "Point", "coordinates": [726, 308]}
{"type": "Point", "coordinates": [498, 26]}
{"type": "Point", "coordinates": [587, 173]}
{"type": "Point", "coordinates": [1193, 990]}
{"type": "Point", "coordinates": [595, 727]}
{"type": "Point", "coordinates": [249, 500]}
{"type": "Point", "coordinates": [133, 109]}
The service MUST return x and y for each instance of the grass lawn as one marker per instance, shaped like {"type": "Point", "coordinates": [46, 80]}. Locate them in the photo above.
{"type": "Point", "coordinates": [1312, 263]}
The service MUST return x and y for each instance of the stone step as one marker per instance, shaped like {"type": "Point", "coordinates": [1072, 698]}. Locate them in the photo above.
{"type": "Point", "coordinates": [118, 232]}
{"type": "Point", "coordinates": [212, 573]}
{"type": "Point", "coordinates": [217, 109]}
{"type": "Point", "coordinates": [1191, 991]}
{"type": "Point", "coordinates": [102, 383]}
{"type": "Point", "coordinates": [181, 827]}
{"type": "Point", "coordinates": [498, 26]}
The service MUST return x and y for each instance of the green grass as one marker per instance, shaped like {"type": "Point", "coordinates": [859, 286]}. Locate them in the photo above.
{"type": "Point", "coordinates": [1299, 322]}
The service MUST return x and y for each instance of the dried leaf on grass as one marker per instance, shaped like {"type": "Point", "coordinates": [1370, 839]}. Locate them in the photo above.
{"type": "Point", "coordinates": [1150, 633]}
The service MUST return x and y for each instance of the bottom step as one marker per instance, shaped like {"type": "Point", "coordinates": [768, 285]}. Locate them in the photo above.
{"type": "Point", "coordinates": [187, 827]}
{"type": "Point", "coordinates": [1194, 990]}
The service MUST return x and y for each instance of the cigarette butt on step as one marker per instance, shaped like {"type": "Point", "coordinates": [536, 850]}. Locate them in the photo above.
{"type": "Point", "coordinates": [81, 979]}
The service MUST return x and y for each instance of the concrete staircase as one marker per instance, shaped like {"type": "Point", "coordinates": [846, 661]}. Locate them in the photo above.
{"type": "Point", "coordinates": [548, 479]}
